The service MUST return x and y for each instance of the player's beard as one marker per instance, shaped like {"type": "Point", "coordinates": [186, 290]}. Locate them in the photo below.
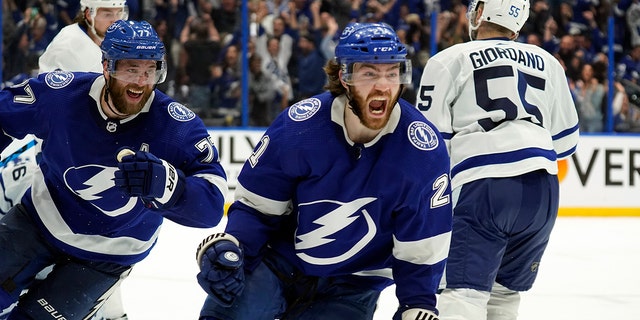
{"type": "Point", "coordinates": [360, 107]}
{"type": "Point", "coordinates": [119, 92]}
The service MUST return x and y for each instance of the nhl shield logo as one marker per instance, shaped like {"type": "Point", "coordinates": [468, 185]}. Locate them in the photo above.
{"type": "Point", "coordinates": [180, 112]}
{"type": "Point", "coordinates": [422, 136]}
{"type": "Point", "coordinates": [58, 79]}
{"type": "Point", "coordinates": [304, 109]}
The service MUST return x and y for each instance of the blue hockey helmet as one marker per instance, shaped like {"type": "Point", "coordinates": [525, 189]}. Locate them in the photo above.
{"type": "Point", "coordinates": [371, 43]}
{"type": "Point", "coordinates": [133, 40]}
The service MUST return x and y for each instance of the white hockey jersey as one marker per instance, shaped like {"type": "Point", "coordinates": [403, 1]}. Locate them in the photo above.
{"type": "Point", "coordinates": [504, 108]}
{"type": "Point", "coordinates": [71, 50]}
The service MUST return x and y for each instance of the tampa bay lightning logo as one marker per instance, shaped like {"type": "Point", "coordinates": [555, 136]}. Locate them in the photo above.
{"type": "Point", "coordinates": [348, 30]}
{"type": "Point", "coordinates": [350, 222]}
{"type": "Point", "coordinates": [304, 109]}
{"type": "Point", "coordinates": [180, 112]}
{"type": "Point", "coordinates": [422, 136]}
{"type": "Point", "coordinates": [92, 183]}
{"type": "Point", "coordinates": [58, 79]}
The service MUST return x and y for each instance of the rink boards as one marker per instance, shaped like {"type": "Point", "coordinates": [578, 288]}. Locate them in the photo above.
{"type": "Point", "coordinates": [601, 179]}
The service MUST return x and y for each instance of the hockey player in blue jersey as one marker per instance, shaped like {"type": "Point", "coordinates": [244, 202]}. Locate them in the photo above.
{"type": "Point", "coordinates": [90, 212]}
{"type": "Point", "coordinates": [506, 113]}
{"type": "Point", "coordinates": [346, 193]}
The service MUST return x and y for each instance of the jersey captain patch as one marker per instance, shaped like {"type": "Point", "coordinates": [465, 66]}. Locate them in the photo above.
{"type": "Point", "coordinates": [422, 136]}
{"type": "Point", "coordinates": [180, 112]}
{"type": "Point", "coordinates": [304, 109]}
{"type": "Point", "coordinates": [58, 79]}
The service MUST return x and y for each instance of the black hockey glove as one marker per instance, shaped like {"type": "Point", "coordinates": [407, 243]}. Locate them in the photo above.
{"type": "Point", "coordinates": [221, 273]}
{"type": "Point", "coordinates": [155, 181]}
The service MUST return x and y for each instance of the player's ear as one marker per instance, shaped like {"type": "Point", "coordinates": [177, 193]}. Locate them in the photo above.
{"type": "Point", "coordinates": [344, 84]}
{"type": "Point", "coordinates": [104, 68]}
{"type": "Point", "coordinates": [87, 16]}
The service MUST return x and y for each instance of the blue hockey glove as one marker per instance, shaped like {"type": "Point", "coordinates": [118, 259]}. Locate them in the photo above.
{"type": "Point", "coordinates": [155, 181]}
{"type": "Point", "coordinates": [221, 273]}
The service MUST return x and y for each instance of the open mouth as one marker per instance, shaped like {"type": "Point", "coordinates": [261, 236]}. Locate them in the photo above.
{"type": "Point", "coordinates": [378, 107]}
{"type": "Point", "coordinates": [134, 94]}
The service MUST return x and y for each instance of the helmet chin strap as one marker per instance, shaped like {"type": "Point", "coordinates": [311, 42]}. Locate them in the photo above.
{"type": "Point", "coordinates": [352, 103]}
{"type": "Point", "coordinates": [92, 25]}
{"type": "Point", "coordinates": [107, 91]}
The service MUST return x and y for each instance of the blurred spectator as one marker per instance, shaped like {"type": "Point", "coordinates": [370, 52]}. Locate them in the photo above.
{"type": "Point", "coordinates": [589, 93]}
{"type": "Point", "coordinates": [275, 65]}
{"type": "Point", "coordinates": [589, 41]}
{"type": "Point", "coordinates": [27, 39]}
{"type": "Point", "coordinates": [278, 30]}
{"type": "Point", "coordinates": [42, 29]}
{"type": "Point", "coordinates": [309, 62]}
{"type": "Point", "coordinates": [175, 11]}
{"type": "Point", "coordinates": [226, 86]}
{"type": "Point", "coordinates": [330, 29]}
{"type": "Point", "coordinates": [633, 22]}
{"type": "Point", "coordinates": [629, 67]}
{"type": "Point", "coordinates": [199, 52]}
{"type": "Point", "coordinates": [626, 107]}
{"type": "Point", "coordinates": [306, 66]}
{"type": "Point", "coordinates": [227, 19]}
{"type": "Point", "coordinates": [163, 28]}
{"type": "Point", "coordinates": [66, 10]}
{"type": "Point", "coordinates": [262, 91]}
{"type": "Point", "coordinates": [278, 8]}
{"type": "Point", "coordinates": [276, 51]}
{"type": "Point", "coordinates": [15, 54]}
{"type": "Point", "coordinates": [567, 53]}
{"type": "Point", "coordinates": [452, 26]}
{"type": "Point", "coordinates": [539, 14]}
{"type": "Point", "coordinates": [339, 10]}
{"type": "Point", "coordinates": [306, 14]}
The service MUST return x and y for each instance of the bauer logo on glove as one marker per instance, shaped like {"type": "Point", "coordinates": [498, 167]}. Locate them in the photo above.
{"type": "Point", "coordinates": [155, 181]}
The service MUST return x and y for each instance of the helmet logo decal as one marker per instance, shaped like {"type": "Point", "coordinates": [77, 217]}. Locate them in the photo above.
{"type": "Point", "coordinates": [304, 109]}
{"type": "Point", "coordinates": [58, 79]}
{"type": "Point", "coordinates": [180, 112]}
{"type": "Point", "coordinates": [422, 136]}
{"type": "Point", "coordinates": [348, 30]}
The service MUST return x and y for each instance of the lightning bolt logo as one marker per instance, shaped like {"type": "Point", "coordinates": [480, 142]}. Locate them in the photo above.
{"type": "Point", "coordinates": [304, 109]}
{"type": "Point", "coordinates": [422, 136]}
{"type": "Point", "coordinates": [102, 181]}
{"type": "Point", "coordinates": [338, 219]}
{"type": "Point", "coordinates": [58, 79]}
{"type": "Point", "coordinates": [90, 182]}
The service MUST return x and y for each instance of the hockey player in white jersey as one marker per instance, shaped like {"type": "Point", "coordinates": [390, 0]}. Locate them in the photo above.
{"type": "Point", "coordinates": [75, 47]}
{"type": "Point", "coordinates": [505, 110]}
{"type": "Point", "coordinates": [346, 193]}
{"type": "Point", "coordinates": [90, 213]}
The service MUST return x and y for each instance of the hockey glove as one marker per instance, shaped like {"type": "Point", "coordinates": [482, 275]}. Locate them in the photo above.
{"type": "Point", "coordinates": [221, 273]}
{"type": "Point", "coordinates": [155, 181]}
{"type": "Point", "coordinates": [415, 314]}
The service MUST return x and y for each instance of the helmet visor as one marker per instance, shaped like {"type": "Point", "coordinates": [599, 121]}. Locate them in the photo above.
{"type": "Point", "coordinates": [140, 73]}
{"type": "Point", "coordinates": [111, 14]}
{"type": "Point", "coordinates": [364, 73]}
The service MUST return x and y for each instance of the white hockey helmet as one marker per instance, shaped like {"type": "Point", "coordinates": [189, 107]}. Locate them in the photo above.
{"type": "Point", "coordinates": [511, 14]}
{"type": "Point", "coordinates": [93, 6]}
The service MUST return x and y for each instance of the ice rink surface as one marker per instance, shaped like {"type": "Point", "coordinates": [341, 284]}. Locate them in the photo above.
{"type": "Point", "coordinates": [591, 271]}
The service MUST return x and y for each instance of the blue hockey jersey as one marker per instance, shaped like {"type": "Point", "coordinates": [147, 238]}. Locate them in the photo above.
{"type": "Point", "coordinates": [73, 197]}
{"type": "Point", "coordinates": [373, 213]}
